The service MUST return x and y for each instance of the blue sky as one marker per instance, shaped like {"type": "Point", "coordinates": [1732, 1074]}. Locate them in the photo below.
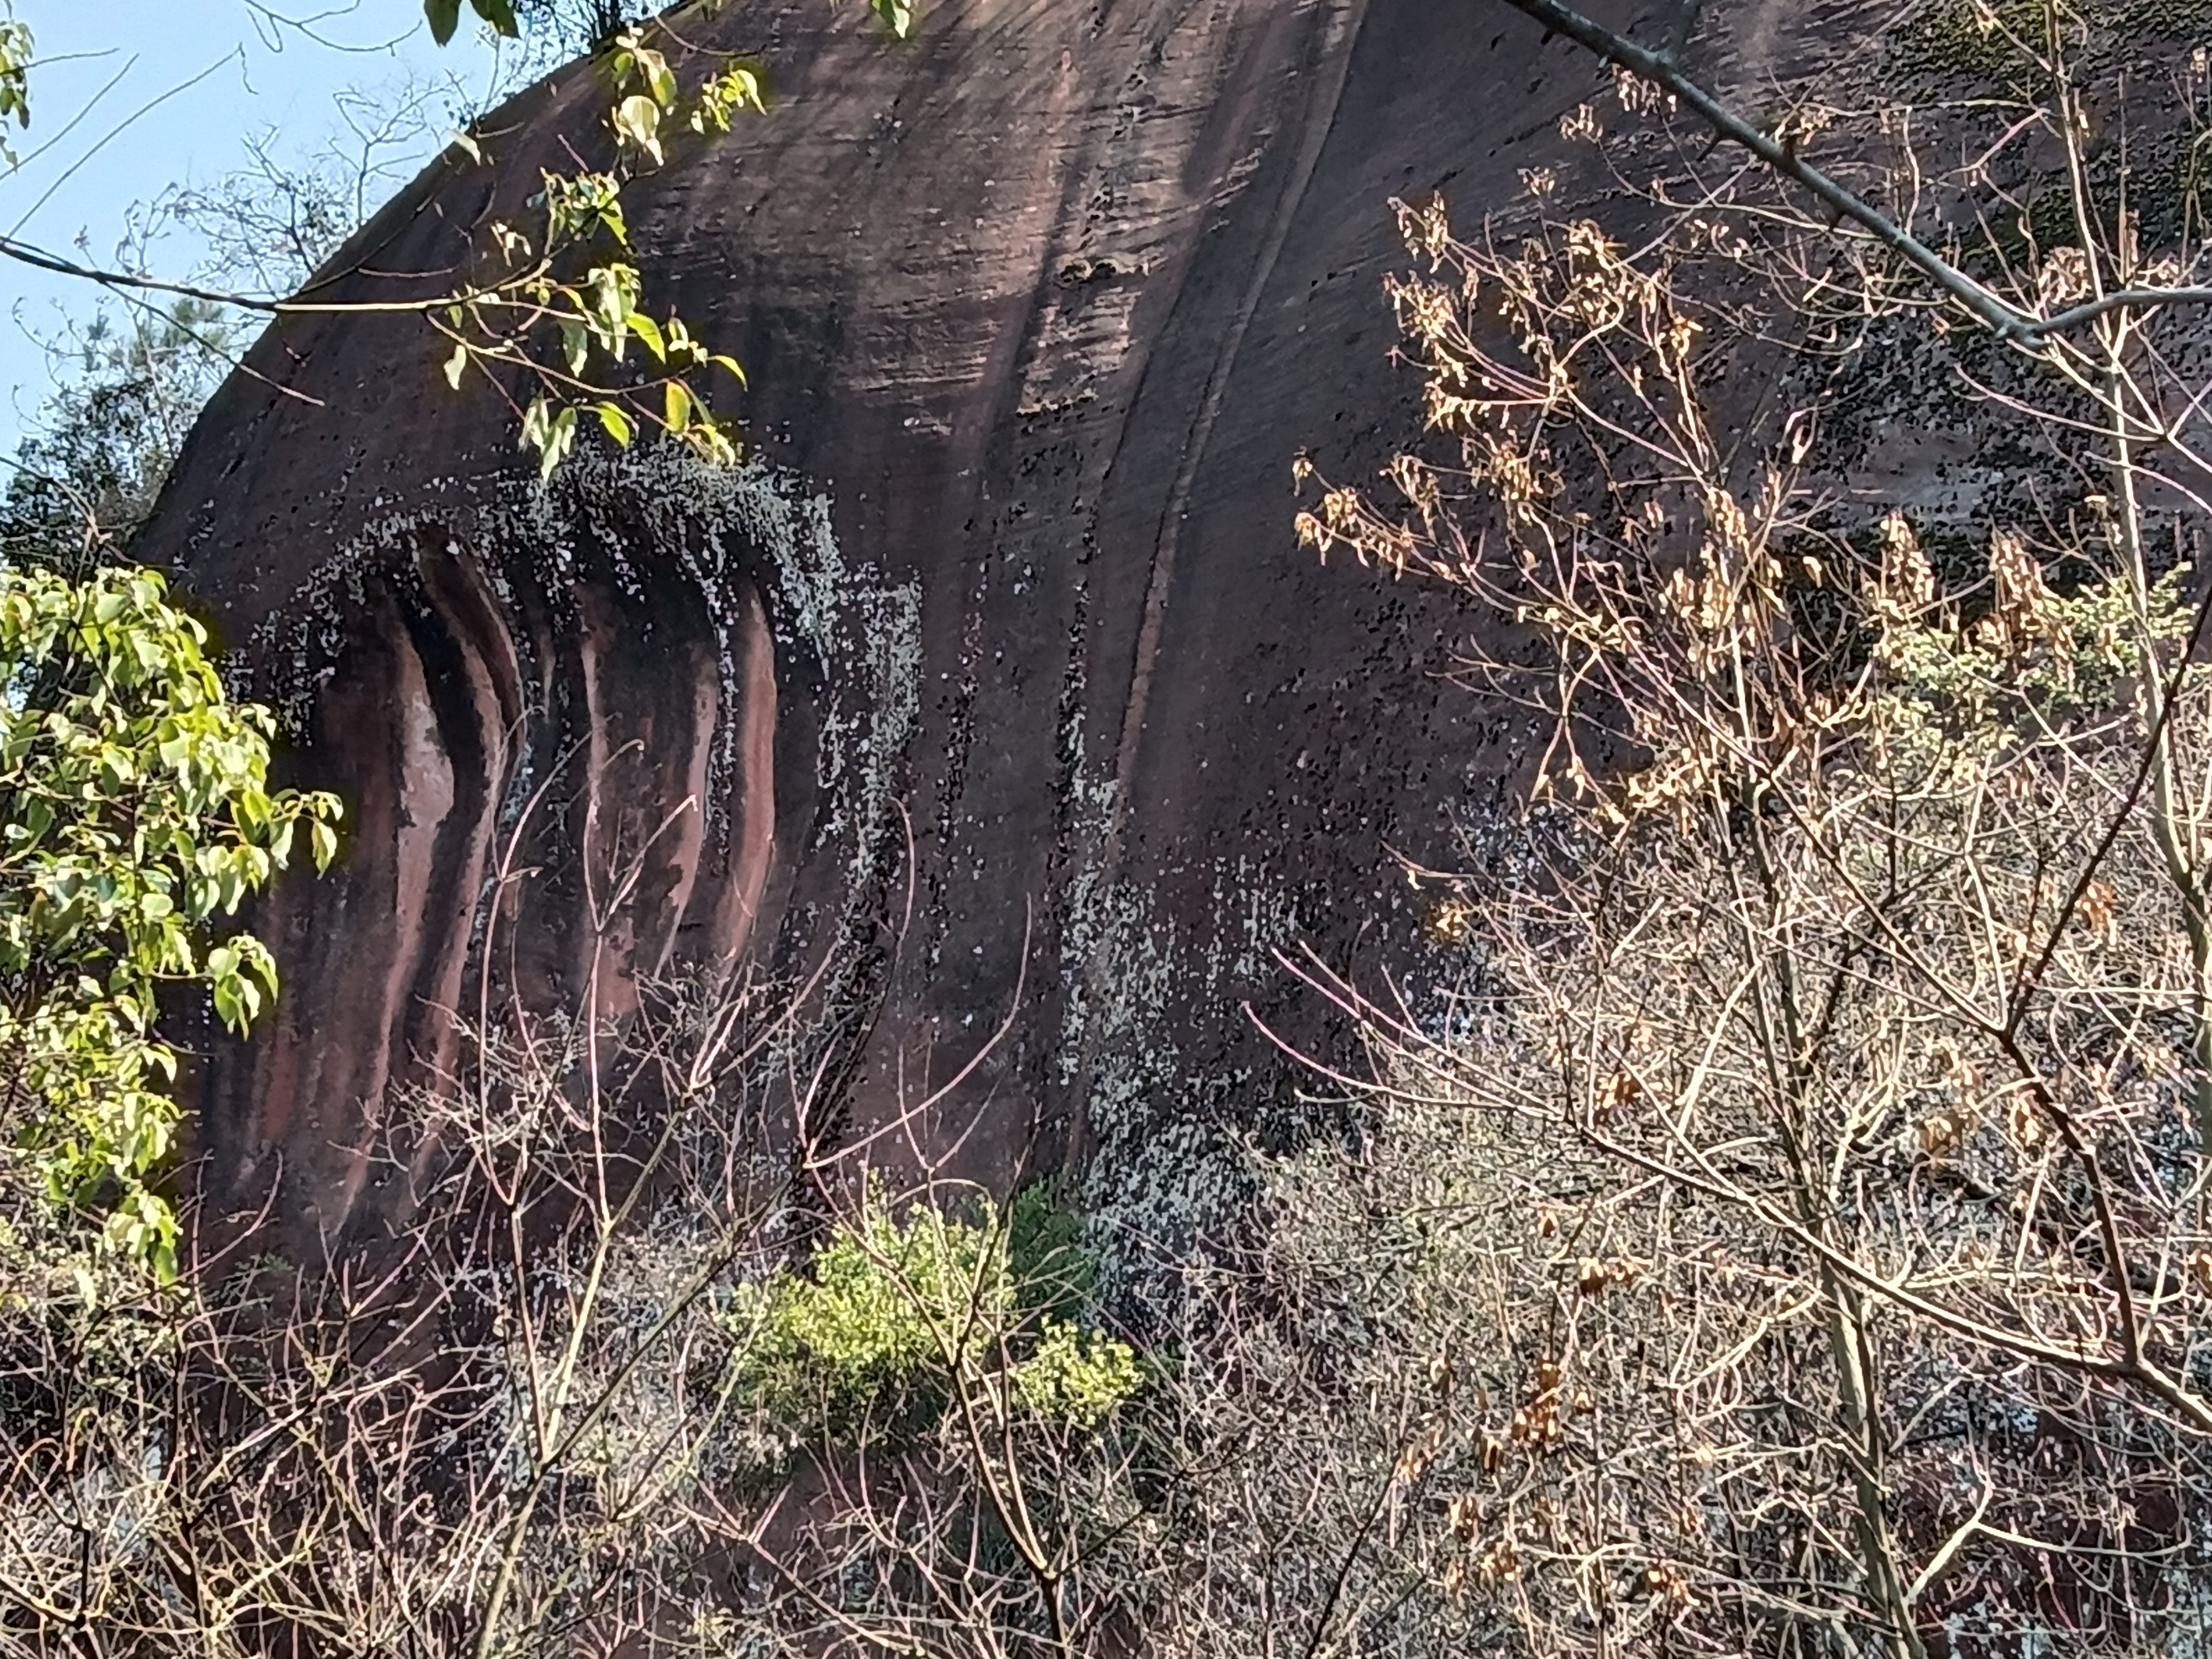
{"type": "Point", "coordinates": [131, 97]}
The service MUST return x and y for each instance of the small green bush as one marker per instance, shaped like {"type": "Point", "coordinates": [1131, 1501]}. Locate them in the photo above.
{"type": "Point", "coordinates": [898, 1318]}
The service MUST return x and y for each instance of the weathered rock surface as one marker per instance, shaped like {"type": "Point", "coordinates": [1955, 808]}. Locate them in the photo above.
{"type": "Point", "coordinates": [999, 681]}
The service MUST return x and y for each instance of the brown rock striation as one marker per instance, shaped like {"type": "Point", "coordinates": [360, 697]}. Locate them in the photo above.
{"type": "Point", "coordinates": [997, 680]}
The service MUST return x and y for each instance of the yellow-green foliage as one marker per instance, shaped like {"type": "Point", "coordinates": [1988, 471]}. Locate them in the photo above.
{"type": "Point", "coordinates": [2034, 659]}
{"type": "Point", "coordinates": [898, 1316]}
{"type": "Point", "coordinates": [1075, 1376]}
{"type": "Point", "coordinates": [15, 79]}
{"type": "Point", "coordinates": [134, 807]}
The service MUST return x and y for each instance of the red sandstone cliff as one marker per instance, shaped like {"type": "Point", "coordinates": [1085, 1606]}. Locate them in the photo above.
{"type": "Point", "coordinates": [1001, 667]}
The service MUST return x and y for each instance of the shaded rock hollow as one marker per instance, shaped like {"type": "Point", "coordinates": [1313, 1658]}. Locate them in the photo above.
{"type": "Point", "coordinates": [997, 679]}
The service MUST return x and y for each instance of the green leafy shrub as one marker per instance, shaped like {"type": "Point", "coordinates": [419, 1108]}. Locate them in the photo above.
{"type": "Point", "coordinates": [911, 1314]}
{"type": "Point", "coordinates": [1077, 1376]}
{"type": "Point", "coordinates": [134, 807]}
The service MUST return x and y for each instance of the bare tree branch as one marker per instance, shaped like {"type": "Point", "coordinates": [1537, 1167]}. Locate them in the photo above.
{"type": "Point", "coordinates": [26, 253]}
{"type": "Point", "coordinates": [2007, 321]}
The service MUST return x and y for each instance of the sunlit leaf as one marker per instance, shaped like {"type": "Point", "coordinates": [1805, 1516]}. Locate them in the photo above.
{"type": "Point", "coordinates": [637, 122]}
{"type": "Point", "coordinates": [896, 16]}
{"type": "Point", "coordinates": [560, 434]}
{"type": "Point", "coordinates": [618, 425]}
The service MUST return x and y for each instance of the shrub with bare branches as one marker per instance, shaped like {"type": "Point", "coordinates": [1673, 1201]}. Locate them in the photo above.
{"type": "Point", "coordinates": [1833, 1270]}
{"type": "Point", "coordinates": [652, 1363]}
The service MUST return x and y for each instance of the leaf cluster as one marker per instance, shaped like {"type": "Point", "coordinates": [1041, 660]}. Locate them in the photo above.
{"type": "Point", "coordinates": [14, 78]}
{"type": "Point", "coordinates": [444, 16]}
{"type": "Point", "coordinates": [134, 811]}
{"type": "Point", "coordinates": [579, 280]}
{"type": "Point", "coordinates": [918, 1310]}
{"type": "Point", "coordinates": [578, 277]}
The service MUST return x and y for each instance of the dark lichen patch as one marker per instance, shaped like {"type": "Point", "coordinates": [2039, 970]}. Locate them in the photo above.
{"type": "Point", "coordinates": [1969, 45]}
